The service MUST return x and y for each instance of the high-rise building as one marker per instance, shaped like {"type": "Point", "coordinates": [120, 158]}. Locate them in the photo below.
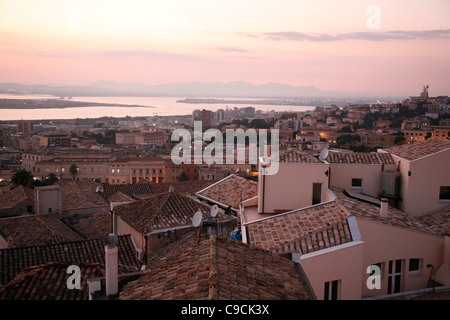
{"type": "Point", "coordinates": [25, 126]}
{"type": "Point", "coordinates": [206, 118]}
{"type": "Point", "coordinates": [196, 115]}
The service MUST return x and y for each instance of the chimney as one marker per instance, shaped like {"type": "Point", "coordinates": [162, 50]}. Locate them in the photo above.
{"type": "Point", "coordinates": [111, 266]}
{"type": "Point", "coordinates": [384, 207]}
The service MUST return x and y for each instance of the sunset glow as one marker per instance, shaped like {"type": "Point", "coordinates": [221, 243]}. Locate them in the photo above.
{"type": "Point", "coordinates": [326, 44]}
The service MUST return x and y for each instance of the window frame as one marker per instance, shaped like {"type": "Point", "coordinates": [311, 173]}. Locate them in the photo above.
{"type": "Point", "coordinates": [356, 187]}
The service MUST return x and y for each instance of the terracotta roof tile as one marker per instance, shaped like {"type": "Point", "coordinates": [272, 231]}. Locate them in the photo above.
{"type": "Point", "coordinates": [438, 220]}
{"type": "Point", "coordinates": [49, 282]}
{"type": "Point", "coordinates": [310, 229]}
{"type": "Point", "coordinates": [81, 193]}
{"type": "Point", "coordinates": [36, 230]}
{"type": "Point", "coordinates": [369, 211]}
{"type": "Point", "coordinates": [164, 211]}
{"type": "Point", "coordinates": [120, 197]}
{"type": "Point", "coordinates": [293, 155]}
{"type": "Point", "coordinates": [419, 149]}
{"type": "Point", "coordinates": [199, 267]}
{"type": "Point", "coordinates": [360, 158]}
{"type": "Point", "coordinates": [97, 226]}
{"type": "Point", "coordinates": [14, 260]}
{"type": "Point", "coordinates": [15, 196]}
{"type": "Point", "coordinates": [151, 188]}
{"type": "Point", "coordinates": [230, 191]}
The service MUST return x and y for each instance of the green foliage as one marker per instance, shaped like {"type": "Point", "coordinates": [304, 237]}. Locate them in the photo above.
{"type": "Point", "coordinates": [183, 177]}
{"type": "Point", "coordinates": [22, 177]}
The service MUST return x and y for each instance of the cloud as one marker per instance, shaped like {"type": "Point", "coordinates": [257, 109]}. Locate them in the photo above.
{"type": "Point", "coordinates": [368, 35]}
{"type": "Point", "coordinates": [231, 49]}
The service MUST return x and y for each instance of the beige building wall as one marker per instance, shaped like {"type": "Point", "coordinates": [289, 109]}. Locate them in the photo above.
{"type": "Point", "coordinates": [341, 175]}
{"type": "Point", "coordinates": [343, 263]}
{"type": "Point", "coordinates": [123, 228]}
{"type": "Point", "coordinates": [384, 243]}
{"type": "Point", "coordinates": [292, 187]}
{"type": "Point", "coordinates": [48, 199]}
{"type": "Point", "coordinates": [420, 183]}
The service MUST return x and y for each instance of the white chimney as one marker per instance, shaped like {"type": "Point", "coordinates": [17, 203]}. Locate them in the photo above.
{"type": "Point", "coordinates": [384, 207]}
{"type": "Point", "coordinates": [111, 266]}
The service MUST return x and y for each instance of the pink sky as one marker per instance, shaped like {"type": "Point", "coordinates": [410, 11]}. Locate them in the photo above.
{"type": "Point", "coordinates": [322, 43]}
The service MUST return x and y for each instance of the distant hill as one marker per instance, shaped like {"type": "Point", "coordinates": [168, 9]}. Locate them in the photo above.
{"type": "Point", "coordinates": [239, 89]}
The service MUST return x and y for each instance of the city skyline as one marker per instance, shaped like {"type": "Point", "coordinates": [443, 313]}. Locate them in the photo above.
{"type": "Point", "coordinates": [360, 47]}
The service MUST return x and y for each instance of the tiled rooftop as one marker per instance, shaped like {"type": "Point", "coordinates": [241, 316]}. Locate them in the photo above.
{"type": "Point", "coordinates": [128, 189]}
{"type": "Point", "coordinates": [438, 220]}
{"type": "Point", "coordinates": [230, 191]}
{"type": "Point", "coordinates": [48, 282]}
{"type": "Point", "coordinates": [199, 267]}
{"type": "Point", "coordinates": [97, 226]}
{"type": "Point", "coordinates": [120, 197]}
{"type": "Point", "coordinates": [164, 211]}
{"type": "Point", "coordinates": [419, 149]}
{"type": "Point", "coordinates": [310, 229]}
{"type": "Point", "coordinates": [83, 192]}
{"type": "Point", "coordinates": [14, 197]}
{"type": "Point", "coordinates": [360, 158]}
{"type": "Point", "coordinates": [293, 155]}
{"type": "Point", "coordinates": [151, 188]}
{"type": "Point", "coordinates": [369, 211]}
{"type": "Point", "coordinates": [14, 260]}
{"type": "Point", "coordinates": [36, 230]}
{"type": "Point", "coordinates": [185, 187]}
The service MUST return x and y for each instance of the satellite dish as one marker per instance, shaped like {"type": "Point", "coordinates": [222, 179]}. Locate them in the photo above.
{"type": "Point", "coordinates": [214, 210]}
{"type": "Point", "coordinates": [197, 218]}
{"type": "Point", "coordinates": [264, 161]}
{"type": "Point", "coordinates": [323, 154]}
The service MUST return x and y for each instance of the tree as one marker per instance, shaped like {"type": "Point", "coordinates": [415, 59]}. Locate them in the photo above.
{"type": "Point", "coordinates": [183, 176]}
{"type": "Point", "coordinates": [346, 129]}
{"type": "Point", "coordinates": [51, 178]}
{"type": "Point", "coordinates": [22, 177]}
{"type": "Point", "coordinates": [428, 136]}
{"type": "Point", "coordinates": [73, 170]}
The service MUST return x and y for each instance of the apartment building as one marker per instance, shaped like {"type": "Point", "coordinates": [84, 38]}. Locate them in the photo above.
{"type": "Point", "coordinates": [344, 234]}
{"type": "Point", "coordinates": [424, 175]}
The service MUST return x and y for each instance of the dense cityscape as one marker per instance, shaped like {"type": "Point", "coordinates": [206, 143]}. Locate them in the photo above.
{"type": "Point", "coordinates": [233, 159]}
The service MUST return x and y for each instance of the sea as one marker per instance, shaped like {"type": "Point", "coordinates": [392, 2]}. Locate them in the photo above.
{"type": "Point", "coordinates": [148, 107]}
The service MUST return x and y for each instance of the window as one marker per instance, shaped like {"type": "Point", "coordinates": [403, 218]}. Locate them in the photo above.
{"type": "Point", "coordinates": [444, 193]}
{"type": "Point", "coordinates": [331, 290]}
{"type": "Point", "coordinates": [395, 276]}
{"type": "Point", "coordinates": [112, 170]}
{"type": "Point", "coordinates": [415, 266]}
{"type": "Point", "coordinates": [356, 183]}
